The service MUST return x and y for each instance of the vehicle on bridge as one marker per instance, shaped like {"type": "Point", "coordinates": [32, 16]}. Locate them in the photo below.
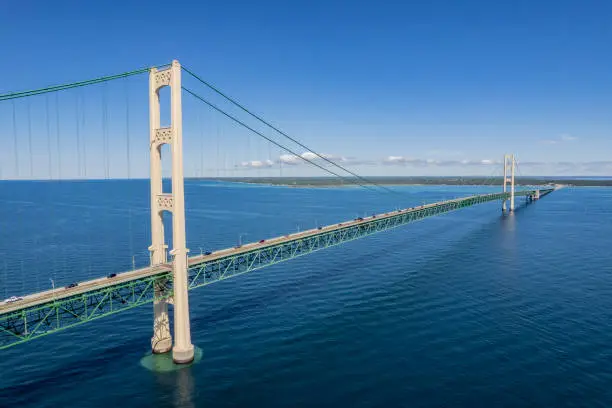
{"type": "Point", "coordinates": [13, 299]}
{"type": "Point", "coordinates": [72, 285]}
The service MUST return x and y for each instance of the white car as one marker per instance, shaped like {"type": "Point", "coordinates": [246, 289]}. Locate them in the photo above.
{"type": "Point", "coordinates": [13, 299]}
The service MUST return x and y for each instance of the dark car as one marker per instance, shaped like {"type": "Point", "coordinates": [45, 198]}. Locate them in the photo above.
{"type": "Point", "coordinates": [261, 241]}
{"type": "Point", "coordinates": [72, 285]}
{"type": "Point", "coordinates": [112, 275]}
{"type": "Point", "coordinates": [320, 228]}
{"type": "Point", "coordinates": [207, 253]}
{"type": "Point", "coordinates": [359, 219]}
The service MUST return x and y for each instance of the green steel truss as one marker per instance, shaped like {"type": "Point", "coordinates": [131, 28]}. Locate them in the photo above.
{"type": "Point", "coordinates": [206, 273]}
{"type": "Point", "coordinates": [32, 322]}
{"type": "Point", "coordinates": [40, 320]}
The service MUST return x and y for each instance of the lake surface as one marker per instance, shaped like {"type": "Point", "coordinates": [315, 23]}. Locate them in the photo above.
{"type": "Point", "coordinates": [466, 309]}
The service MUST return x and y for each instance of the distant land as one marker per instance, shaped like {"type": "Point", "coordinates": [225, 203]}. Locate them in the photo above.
{"type": "Point", "coordinates": [414, 180]}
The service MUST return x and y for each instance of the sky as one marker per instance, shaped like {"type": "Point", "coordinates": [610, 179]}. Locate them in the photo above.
{"type": "Point", "coordinates": [382, 88]}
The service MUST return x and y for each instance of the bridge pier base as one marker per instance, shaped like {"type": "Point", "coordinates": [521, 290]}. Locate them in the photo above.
{"type": "Point", "coordinates": [183, 355]}
{"type": "Point", "coordinates": [161, 342]}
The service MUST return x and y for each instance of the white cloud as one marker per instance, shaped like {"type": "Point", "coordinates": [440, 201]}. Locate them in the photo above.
{"type": "Point", "coordinates": [257, 164]}
{"type": "Point", "coordinates": [309, 156]}
{"type": "Point", "coordinates": [401, 160]}
{"type": "Point", "coordinates": [405, 161]}
{"type": "Point", "coordinates": [292, 159]}
{"type": "Point", "coordinates": [470, 165]}
{"type": "Point", "coordinates": [395, 159]}
{"type": "Point", "coordinates": [559, 139]}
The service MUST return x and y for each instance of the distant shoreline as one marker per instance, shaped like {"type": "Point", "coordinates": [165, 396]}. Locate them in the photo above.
{"type": "Point", "coordinates": [321, 182]}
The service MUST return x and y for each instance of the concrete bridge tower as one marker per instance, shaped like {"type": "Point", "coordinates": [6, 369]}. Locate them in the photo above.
{"type": "Point", "coordinates": [174, 202]}
{"type": "Point", "coordinates": [509, 167]}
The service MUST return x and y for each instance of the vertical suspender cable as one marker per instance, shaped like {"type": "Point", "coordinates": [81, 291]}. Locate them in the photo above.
{"type": "Point", "coordinates": [30, 140]}
{"type": "Point", "coordinates": [202, 153]}
{"type": "Point", "coordinates": [5, 276]}
{"type": "Point", "coordinates": [224, 165]}
{"type": "Point", "coordinates": [48, 125]}
{"type": "Point", "coordinates": [270, 154]}
{"type": "Point", "coordinates": [84, 140]}
{"type": "Point", "coordinates": [50, 201]}
{"type": "Point", "coordinates": [215, 122]}
{"type": "Point", "coordinates": [127, 127]}
{"type": "Point", "coordinates": [78, 134]}
{"type": "Point", "coordinates": [16, 146]}
{"type": "Point", "coordinates": [129, 174]}
{"type": "Point", "coordinates": [249, 155]}
{"type": "Point", "coordinates": [57, 133]}
{"type": "Point", "coordinates": [268, 124]}
{"type": "Point", "coordinates": [1, 169]}
{"type": "Point", "coordinates": [16, 154]}
{"type": "Point", "coordinates": [257, 156]}
{"type": "Point", "coordinates": [104, 132]}
{"type": "Point", "coordinates": [60, 247]}
{"type": "Point", "coordinates": [293, 152]}
{"type": "Point", "coordinates": [82, 108]}
{"type": "Point", "coordinates": [82, 165]}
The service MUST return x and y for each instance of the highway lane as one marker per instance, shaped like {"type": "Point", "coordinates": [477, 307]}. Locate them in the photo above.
{"type": "Point", "coordinates": [101, 283]}
{"type": "Point", "coordinates": [86, 286]}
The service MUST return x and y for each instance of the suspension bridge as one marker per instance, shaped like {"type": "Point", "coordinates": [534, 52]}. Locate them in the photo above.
{"type": "Point", "coordinates": [167, 282]}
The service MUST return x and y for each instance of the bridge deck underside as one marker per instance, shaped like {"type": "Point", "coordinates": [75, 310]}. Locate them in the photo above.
{"type": "Point", "coordinates": [29, 322]}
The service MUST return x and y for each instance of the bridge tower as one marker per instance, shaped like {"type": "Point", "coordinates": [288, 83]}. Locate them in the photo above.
{"type": "Point", "coordinates": [174, 202]}
{"type": "Point", "coordinates": [509, 167]}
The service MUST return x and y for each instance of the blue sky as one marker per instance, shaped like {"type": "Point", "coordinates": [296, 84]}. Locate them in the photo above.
{"type": "Point", "coordinates": [403, 88]}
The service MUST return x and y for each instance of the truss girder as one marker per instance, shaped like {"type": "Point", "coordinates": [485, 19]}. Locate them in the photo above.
{"type": "Point", "coordinates": [33, 322]}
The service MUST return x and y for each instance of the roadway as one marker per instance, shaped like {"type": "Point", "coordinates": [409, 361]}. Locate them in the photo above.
{"type": "Point", "coordinates": [104, 282]}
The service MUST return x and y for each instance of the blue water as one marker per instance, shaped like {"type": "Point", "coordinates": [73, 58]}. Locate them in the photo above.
{"type": "Point", "coordinates": [467, 309]}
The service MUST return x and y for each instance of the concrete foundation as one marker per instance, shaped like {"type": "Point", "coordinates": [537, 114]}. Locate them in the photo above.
{"type": "Point", "coordinates": [161, 342]}
{"type": "Point", "coordinates": [183, 355]}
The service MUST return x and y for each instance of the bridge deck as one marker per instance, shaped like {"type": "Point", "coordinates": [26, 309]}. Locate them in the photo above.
{"type": "Point", "coordinates": [46, 312]}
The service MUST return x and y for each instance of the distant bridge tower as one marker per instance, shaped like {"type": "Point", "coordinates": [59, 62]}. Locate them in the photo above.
{"type": "Point", "coordinates": [173, 202]}
{"type": "Point", "coordinates": [509, 167]}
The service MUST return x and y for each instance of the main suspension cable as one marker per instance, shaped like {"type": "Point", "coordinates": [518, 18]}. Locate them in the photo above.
{"type": "Point", "coordinates": [48, 123]}
{"type": "Point", "coordinates": [15, 95]}
{"type": "Point", "coordinates": [271, 140]}
{"type": "Point", "coordinates": [283, 133]}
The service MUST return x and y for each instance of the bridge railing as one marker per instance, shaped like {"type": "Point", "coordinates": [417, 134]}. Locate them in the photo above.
{"type": "Point", "coordinates": [59, 311]}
